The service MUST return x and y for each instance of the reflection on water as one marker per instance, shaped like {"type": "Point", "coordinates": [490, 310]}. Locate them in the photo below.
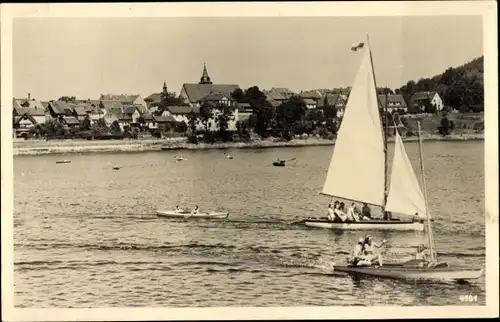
{"type": "Point", "coordinates": [88, 236]}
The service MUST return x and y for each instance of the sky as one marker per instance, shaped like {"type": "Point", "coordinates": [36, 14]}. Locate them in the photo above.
{"type": "Point", "coordinates": [85, 57]}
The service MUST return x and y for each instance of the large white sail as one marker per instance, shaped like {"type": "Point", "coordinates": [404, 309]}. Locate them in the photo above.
{"type": "Point", "coordinates": [405, 195]}
{"type": "Point", "coordinates": [356, 170]}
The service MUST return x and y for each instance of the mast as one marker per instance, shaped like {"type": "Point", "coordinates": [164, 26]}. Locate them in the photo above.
{"type": "Point", "coordinates": [386, 168]}
{"type": "Point", "coordinates": [429, 227]}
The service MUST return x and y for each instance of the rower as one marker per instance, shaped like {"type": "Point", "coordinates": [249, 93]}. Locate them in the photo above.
{"type": "Point", "coordinates": [177, 209]}
{"type": "Point", "coordinates": [195, 210]}
{"type": "Point", "coordinates": [369, 250]}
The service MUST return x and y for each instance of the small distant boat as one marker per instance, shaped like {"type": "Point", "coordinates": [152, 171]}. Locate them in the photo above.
{"type": "Point", "coordinates": [228, 156]}
{"type": "Point", "coordinates": [188, 214]}
{"type": "Point", "coordinates": [116, 167]}
{"type": "Point", "coordinates": [63, 161]}
{"type": "Point", "coordinates": [168, 148]}
{"type": "Point", "coordinates": [281, 163]}
{"type": "Point", "coordinates": [180, 159]}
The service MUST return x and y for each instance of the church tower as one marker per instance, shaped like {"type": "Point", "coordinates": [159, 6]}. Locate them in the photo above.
{"type": "Point", "coordinates": [205, 79]}
{"type": "Point", "coordinates": [164, 93]}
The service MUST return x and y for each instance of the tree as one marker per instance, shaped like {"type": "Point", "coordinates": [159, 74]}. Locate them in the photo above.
{"type": "Point", "coordinates": [192, 122]}
{"type": "Point", "coordinates": [100, 127]}
{"type": "Point", "coordinates": [115, 128]}
{"type": "Point", "coordinates": [429, 107]}
{"type": "Point", "coordinates": [181, 127]}
{"type": "Point", "coordinates": [67, 99]}
{"type": "Point", "coordinates": [239, 96]}
{"type": "Point", "coordinates": [242, 130]}
{"type": "Point", "coordinates": [206, 115]}
{"type": "Point", "coordinates": [85, 124]}
{"type": "Point", "coordinates": [222, 121]}
{"type": "Point", "coordinates": [445, 127]}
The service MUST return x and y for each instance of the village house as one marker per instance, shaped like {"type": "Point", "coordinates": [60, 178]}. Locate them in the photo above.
{"type": "Point", "coordinates": [57, 109]}
{"type": "Point", "coordinates": [153, 99]}
{"type": "Point", "coordinates": [22, 121]}
{"type": "Point", "coordinates": [149, 121]}
{"type": "Point", "coordinates": [394, 103]}
{"type": "Point", "coordinates": [164, 122]}
{"type": "Point", "coordinates": [33, 107]}
{"type": "Point", "coordinates": [312, 94]}
{"type": "Point", "coordinates": [335, 100]}
{"type": "Point", "coordinates": [70, 121]}
{"type": "Point", "coordinates": [179, 113]}
{"type": "Point", "coordinates": [310, 103]}
{"type": "Point", "coordinates": [80, 111]}
{"type": "Point", "coordinates": [343, 92]}
{"type": "Point", "coordinates": [192, 94]}
{"type": "Point", "coordinates": [125, 99]}
{"type": "Point", "coordinates": [420, 99]}
{"type": "Point", "coordinates": [217, 99]}
{"type": "Point", "coordinates": [112, 110]}
{"type": "Point", "coordinates": [275, 96]}
{"type": "Point", "coordinates": [285, 92]}
{"type": "Point", "coordinates": [242, 111]}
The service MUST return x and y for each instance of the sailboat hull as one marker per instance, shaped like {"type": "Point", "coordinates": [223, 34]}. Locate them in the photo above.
{"type": "Point", "coordinates": [400, 272]}
{"type": "Point", "coordinates": [400, 225]}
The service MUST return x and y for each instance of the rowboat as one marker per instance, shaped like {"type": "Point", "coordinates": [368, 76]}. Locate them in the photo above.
{"type": "Point", "coordinates": [180, 159]}
{"type": "Point", "coordinates": [187, 214]}
{"type": "Point", "coordinates": [281, 163]}
{"type": "Point", "coordinates": [358, 171]}
{"type": "Point", "coordinates": [63, 161]}
{"type": "Point", "coordinates": [402, 271]}
{"type": "Point", "coordinates": [116, 167]}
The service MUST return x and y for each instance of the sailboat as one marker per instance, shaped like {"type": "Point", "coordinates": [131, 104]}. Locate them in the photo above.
{"type": "Point", "coordinates": [415, 269]}
{"type": "Point", "coordinates": [358, 170]}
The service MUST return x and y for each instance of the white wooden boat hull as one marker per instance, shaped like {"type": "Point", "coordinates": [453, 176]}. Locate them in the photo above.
{"type": "Point", "coordinates": [400, 225]}
{"type": "Point", "coordinates": [211, 215]}
{"type": "Point", "coordinates": [399, 272]}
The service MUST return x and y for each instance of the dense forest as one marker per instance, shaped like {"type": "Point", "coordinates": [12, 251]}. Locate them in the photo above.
{"type": "Point", "coordinates": [461, 88]}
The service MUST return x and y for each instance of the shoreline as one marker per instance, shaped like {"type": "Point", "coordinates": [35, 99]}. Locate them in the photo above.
{"type": "Point", "coordinates": [41, 147]}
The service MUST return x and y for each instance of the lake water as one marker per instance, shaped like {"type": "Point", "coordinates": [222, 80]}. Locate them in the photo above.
{"type": "Point", "coordinates": [87, 236]}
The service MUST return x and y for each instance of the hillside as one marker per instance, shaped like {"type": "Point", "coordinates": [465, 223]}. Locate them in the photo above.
{"type": "Point", "coordinates": [462, 87]}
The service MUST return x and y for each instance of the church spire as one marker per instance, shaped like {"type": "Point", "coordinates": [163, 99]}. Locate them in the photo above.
{"type": "Point", "coordinates": [164, 93]}
{"type": "Point", "coordinates": [205, 79]}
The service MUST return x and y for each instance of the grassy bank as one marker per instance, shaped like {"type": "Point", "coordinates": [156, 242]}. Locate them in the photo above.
{"type": "Point", "coordinates": [37, 147]}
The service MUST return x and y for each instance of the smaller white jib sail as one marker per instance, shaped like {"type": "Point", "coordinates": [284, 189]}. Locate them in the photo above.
{"type": "Point", "coordinates": [405, 196]}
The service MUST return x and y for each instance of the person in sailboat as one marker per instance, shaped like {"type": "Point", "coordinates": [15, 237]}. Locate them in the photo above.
{"type": "Point", "coordinates": [421, 256]}
{"type": "Point", "coordinates": [339, 212]}
{"type": "Point", "coordinates": [369, 251]}
{"type": "Point", "coordinates": [331, 214]}
{"type": "Point", "coordinates": [352, 213]}
{"type": "Point", "coordinates": [366, 212]}
{"type": "Point", "coordinates": [357, 256]}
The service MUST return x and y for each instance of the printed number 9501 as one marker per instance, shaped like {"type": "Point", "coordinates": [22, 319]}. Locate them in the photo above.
{"type": "Point", "coordinates": [468, 298]}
